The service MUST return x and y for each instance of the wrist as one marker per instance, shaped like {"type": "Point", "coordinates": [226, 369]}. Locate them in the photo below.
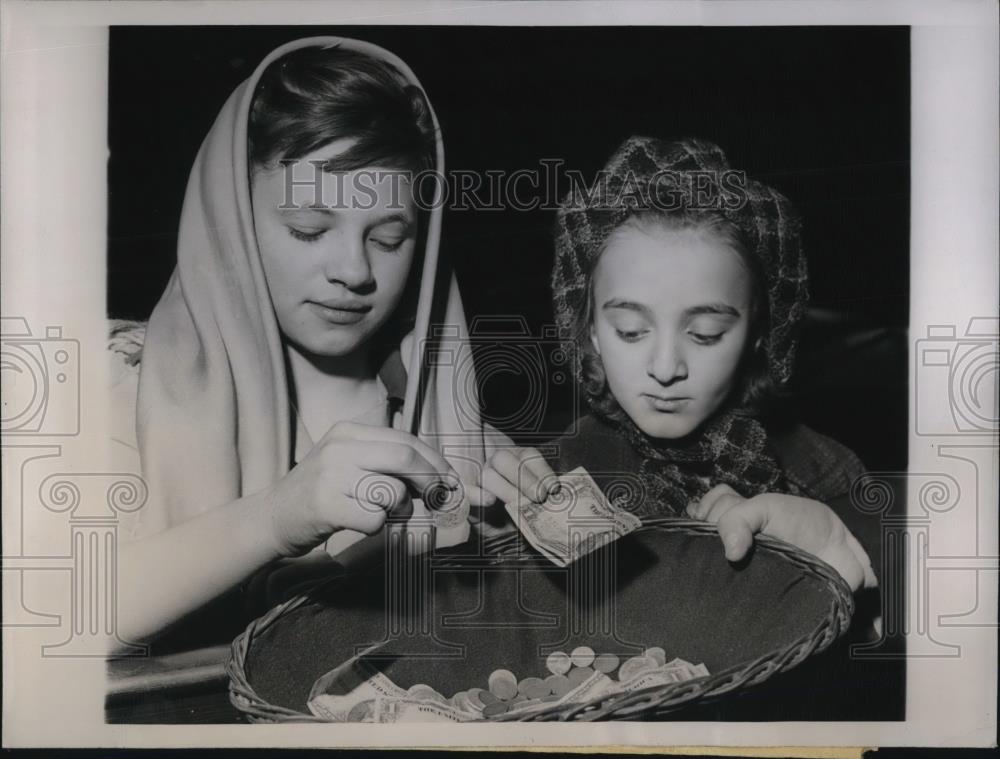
{"type": "Point", "coordinates": [264, 525]}
{"type": "Point", "coordinates": [276, 527]}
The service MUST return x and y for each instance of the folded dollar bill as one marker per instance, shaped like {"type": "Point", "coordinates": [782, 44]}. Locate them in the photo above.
{"type": "Point", "coordinates": [575, 520]}
{"type": "Point", "coordinates": [412, 710]}
{"type": "Point", "coordinates": [356, 681]}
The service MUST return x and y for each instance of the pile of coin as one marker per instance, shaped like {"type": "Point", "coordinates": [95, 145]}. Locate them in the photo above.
{"type": "Point", "coordinates": [504, 692]}
{"type": "Point", "coordinates": [566, 673]}
{"type": "Point", "coordinates": [583, 662]}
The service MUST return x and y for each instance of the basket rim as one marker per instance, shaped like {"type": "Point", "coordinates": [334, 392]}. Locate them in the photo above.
{"type": "Point", "coordinates": [656, 700]}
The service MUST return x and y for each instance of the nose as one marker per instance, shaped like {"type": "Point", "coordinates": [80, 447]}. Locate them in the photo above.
{"type": "Point", "coordinates": [667, 363]}
{"type": "Point", "coordinates": [347, 263]}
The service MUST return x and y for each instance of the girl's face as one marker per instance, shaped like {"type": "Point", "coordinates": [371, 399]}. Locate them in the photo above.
{"type": "Point", "coordinates": [671, 319]}
{"type": "Point", "coordinates": [335, 271]}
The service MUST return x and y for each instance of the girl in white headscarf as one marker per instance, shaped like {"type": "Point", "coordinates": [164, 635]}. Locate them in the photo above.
{"type": "Point", "coordinates": [283, 391]}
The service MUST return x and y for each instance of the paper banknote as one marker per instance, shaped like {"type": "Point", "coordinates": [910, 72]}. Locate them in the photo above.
{"type": "Point", "coordinates": [572, 522]}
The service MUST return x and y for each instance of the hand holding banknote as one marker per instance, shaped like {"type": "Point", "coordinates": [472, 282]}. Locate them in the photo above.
{"type": "Point", "coordinates": [515, 473]}
{"type": "Point", "coordinates": [563, 517]}
{"type": "Point", "coordinates": [574, 520]}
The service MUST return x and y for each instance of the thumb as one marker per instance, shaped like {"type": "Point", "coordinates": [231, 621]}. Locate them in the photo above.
{"type": "Point", "coordinates": [480, 496]}
{"type": "Point", "coordinates": [738, 526]}
{"type": "Point", "coordinates": [401, 512]}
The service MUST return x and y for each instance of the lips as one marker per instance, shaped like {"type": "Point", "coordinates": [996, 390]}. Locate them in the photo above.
{"type": "Point", "coordinates": [341, 311]}
{"type": "Point", "coordinates": [344, 305]}
{"type": "Point", "coordinates": [667, 403]}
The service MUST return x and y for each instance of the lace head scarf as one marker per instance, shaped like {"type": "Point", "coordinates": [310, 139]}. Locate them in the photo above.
{"type": "Point", "coordinates": [650, 175]}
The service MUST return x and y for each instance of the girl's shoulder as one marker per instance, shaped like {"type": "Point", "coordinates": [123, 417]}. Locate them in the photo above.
{"type": "Point", "coordinates": [125, 340]}
{"type": "Point", "coordinates": [819, 465]}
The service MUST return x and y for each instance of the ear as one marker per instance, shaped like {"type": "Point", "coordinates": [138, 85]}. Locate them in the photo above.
{"type": "Point", "coordinates": [593, 339]}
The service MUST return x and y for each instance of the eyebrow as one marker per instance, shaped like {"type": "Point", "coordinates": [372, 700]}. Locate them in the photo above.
{"type": "Point", "coordinates": [392, 218]}
{"type": "Point", "coordinates": [626, 305]}
{"type": "Point", "coordinates": [389, 218]}
{"type": "Point", "coordinates": [717, 309]}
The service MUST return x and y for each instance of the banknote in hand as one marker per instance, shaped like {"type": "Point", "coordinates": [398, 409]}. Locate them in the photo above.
{"type": "Point", "coordinates": [575, 520]}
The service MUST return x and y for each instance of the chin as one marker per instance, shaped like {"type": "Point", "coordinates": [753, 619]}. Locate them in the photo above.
{"type": "Point", "coordinates": [667, 427]}
{"type": "Point", "coordinates": [333, 343]}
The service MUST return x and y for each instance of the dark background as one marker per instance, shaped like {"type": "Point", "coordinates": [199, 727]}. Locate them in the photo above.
{"type": "Point", "coordinates": [820, 113]}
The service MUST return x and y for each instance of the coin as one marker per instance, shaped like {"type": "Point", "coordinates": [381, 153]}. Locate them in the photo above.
{"type": "Point", "coordinates": [606, 663]}
{"type": "Point", "coordinates": [362, 712]}
{"type": "Point", "coordinates": [535, 687]}
{"type": "Point", "coordinates": [582, 656]}
{"type": "Point", "coordinates": [636, 666]}
{"type": "Point", "coordinates": [503, 684]}
{"type": "Point", "coordinates": [578, 674]}
{"type": "Point", "coordinates": [560, 685]}
{"type": "Point", "coordinates": [526, 683]}
{"type": "Point", "coordinates": [476, 698]}
{"type": "Point", "coordinates": [424, 692]}
{"type": "Point", "coordinates": [558, 663]}
{"type": "Point", "coordinates": [487, 698]}
{"type": "Point", "coordinates": [495, 709]}
{"type": "Point", "coordinates": [657, 654]}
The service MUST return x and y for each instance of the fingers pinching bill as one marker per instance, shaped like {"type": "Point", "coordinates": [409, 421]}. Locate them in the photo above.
{"type": "Point", "coordinates": [498, 485]}
{"type": "Point", "coordinates": [546, 481]}
{"type": "Point", "coordinates": [525, 471]}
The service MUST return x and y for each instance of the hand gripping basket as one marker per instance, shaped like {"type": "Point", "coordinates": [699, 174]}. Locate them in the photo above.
{"type": "Point", "coordinates": [450, 620]}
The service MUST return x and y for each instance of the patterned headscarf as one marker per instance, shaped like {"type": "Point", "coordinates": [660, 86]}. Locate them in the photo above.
{"type": "Point", "coordinates": [647, 174]}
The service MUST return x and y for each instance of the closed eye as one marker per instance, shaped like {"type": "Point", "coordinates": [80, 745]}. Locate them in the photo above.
{"type": "Point", "coordinates": [631, 336]}
{"type": "Point", "coordinates": [702, 339]}
{"type": "Point", "coordinates": [306, 235]}
{"type": "Point", "coordinates": [389, 246]}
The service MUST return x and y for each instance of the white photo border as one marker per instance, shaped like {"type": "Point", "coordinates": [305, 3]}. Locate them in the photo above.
{"type": "Point", "coordinates": [54, 211]}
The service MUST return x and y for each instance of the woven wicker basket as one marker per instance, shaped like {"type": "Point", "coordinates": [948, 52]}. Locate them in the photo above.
{"type": "Point", "coordinates": [650, 703]}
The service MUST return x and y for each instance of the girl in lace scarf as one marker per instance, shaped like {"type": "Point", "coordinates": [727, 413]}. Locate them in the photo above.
{"type": "Point", "coordinates": [682, 283]}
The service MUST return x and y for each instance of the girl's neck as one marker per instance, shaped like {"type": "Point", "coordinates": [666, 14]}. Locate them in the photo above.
{"type": "Point", "coordinates": [328, 390]}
